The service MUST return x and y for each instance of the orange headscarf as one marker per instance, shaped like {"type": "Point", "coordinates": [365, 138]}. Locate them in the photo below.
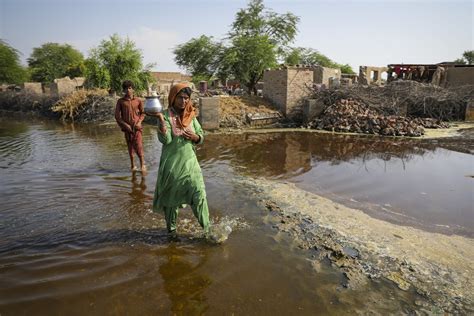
{"type": "Point", "coordinates": [188, 113]}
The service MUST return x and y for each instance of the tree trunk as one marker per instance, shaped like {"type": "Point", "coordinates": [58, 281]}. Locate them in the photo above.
{"type": "Point", "coordinates": [252, 87]}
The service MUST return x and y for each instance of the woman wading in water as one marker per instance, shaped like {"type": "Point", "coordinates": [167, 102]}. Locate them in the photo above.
{"type": "Point", "coordinates": [180, 180]}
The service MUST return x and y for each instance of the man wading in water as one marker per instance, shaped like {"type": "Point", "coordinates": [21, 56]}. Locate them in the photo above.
{"type": "Point", "coordinates": [129, 114]}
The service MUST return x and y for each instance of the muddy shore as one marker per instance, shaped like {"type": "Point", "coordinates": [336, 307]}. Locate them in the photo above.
{"type": "Point", "coordinates": [438, 267]}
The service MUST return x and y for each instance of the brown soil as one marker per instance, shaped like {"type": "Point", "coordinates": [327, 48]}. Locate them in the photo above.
{"type": "Point", "coordinates": [234, 109]}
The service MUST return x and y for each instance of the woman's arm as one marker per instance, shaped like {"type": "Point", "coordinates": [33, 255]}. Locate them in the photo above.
{"type": "Point", "coordinates": [164, 129]}
{"type": "Point", "coordinates": [198, 130]}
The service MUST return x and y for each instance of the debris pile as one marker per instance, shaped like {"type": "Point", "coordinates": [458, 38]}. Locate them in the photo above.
{"type": "Point", "coordinates": [235, 111]}
{"type": "Point", "coordinates": [85, 106]}
{"type": "Point", "coordinates": [405, 97]}
{"type": "Point", "coordinates": [351, 116]}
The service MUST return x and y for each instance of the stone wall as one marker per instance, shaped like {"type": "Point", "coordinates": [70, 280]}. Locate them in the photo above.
{"type": "Point", "coordinates": [169, 76]}
{"type": "Point", "coordinates": [209, 112]}
{"type": "Point", "coordinates": [33, 87]}
{"type": "Point", "coordinates": [63, 86]}
{"type": "Point", "coordinates": [322, 74]}
{"type": "Point", "coordinates": [366, 78]}
{"type": "Point", "coordinates": [287, 87]}
{"type": "Point", "coordinates": [459, 76]}
{"type": "Point", "coordinates": [275, 88]}
{"type": "Point", "coordinates": [300, 83]}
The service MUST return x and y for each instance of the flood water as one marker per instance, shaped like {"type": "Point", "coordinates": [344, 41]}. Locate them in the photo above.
{"type": "Point", "coordinates": [77, 235]}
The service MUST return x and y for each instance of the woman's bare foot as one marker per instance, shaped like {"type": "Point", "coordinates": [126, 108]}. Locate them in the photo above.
{"type": "Point", "coordinates": [134, 168]}
{"type": "Point", "coordinates": [144, 169]}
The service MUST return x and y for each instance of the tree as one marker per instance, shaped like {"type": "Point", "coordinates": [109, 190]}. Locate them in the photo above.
{"type": "Point", "coordinates": [253, 21]}
{"type": "Point", "coordinates": [254, 43]}
{"type": "Point", "coordinates": [249, 57]}
{"type": "Point", "coordinates": [309, 56]}
{"type": "Point", "coordinates": [53, 60]}
{"type": "Point", "coordinates": [114, 61]}
{"type": "Point", "coordinates": [11, 71]}
{"type": "Point", "coordinates": [199, 56]}
{"type": "Point", "coordinates": [258, 37]}
{"type": "Point", "coordinates": [97, 76]}
{"type": "Point", "coordinates": [469, 57]}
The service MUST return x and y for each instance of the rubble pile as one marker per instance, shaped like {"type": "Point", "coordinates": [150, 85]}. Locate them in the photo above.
{"type": "Point", "coordinates": [348, 115]}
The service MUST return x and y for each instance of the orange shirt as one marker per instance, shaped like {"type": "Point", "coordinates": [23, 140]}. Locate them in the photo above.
{"type": "Point", "coordinates": [129, 112]}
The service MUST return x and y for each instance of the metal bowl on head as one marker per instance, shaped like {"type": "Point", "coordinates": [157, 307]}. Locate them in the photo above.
{"type": "Point", "coordinates": [153, 105]}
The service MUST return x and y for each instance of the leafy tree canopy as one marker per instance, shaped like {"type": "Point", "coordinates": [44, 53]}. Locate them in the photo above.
{"type": "Point", "coordinates": [467, 58]}
{"type": "Point", "coordinates": [199, 56]}
{"type": "Point", "coordinates": [249, 57]}
{"type": "Point", "coordinates": [254, 43]}
{"type": "Point", "coordinates": [309, 56]}
{"type": "Point", "coordinates": [114, 61]}
{"type": "Point", "coordinates": [53, 60]}
{"type": "Point", "coordinates": [11, 71]}
{"type": "Point", "coordinates": [255, 21]}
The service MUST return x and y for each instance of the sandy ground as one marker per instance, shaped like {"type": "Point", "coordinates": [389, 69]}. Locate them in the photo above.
{"type": "Point", "coordinates": [436, 266]}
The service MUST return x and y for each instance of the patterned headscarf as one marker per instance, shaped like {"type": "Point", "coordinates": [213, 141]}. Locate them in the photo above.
{"type": "Point", "coordinates": [188, 113]}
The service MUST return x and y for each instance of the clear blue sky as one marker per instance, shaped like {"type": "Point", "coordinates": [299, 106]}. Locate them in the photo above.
{"type": "Point", "coordinates": [355, 32]}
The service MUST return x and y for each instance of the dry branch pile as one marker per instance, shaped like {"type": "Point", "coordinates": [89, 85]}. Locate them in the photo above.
{"type": "Point", "coordinates": [408, 98]}
{"type": "Point", "coordinates": [85, 105]}
{"type": "Point", "coordinates": [352, 116]}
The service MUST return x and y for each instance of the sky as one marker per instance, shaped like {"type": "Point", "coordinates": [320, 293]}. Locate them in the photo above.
{"type": "Point", "coordinates": [356, 32]}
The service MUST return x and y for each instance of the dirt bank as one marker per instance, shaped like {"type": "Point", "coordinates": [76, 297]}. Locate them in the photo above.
{"type": "Point", "coordinates": [438, 267]}
{"type": "Point", "coordinates": [456, 129]}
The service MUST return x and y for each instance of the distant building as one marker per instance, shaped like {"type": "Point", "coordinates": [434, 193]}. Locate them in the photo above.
{"type": "Point", "coordinates": [164, 80]}
{"type": "Point", "coordinates": [445, 74]}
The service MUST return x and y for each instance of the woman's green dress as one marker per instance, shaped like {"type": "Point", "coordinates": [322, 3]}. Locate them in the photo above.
{"type": "Point", "coordinates": [180, 180]}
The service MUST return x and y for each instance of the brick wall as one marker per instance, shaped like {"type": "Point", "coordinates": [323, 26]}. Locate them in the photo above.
{"type": "Point", "coordinates": [322, 74]}
{"type": "Point", "coordinates": [275, 88]}
{"type": "Point", "coordinates": [33, 87]}
{"type": "Point", "coordinates": [287, 87]}
{"type": "Point", "coordinates": [459, 76]}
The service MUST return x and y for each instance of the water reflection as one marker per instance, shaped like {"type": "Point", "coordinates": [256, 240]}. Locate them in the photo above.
{"type": "Point", "coordinates": [184, 282]}
{"type": "Point", "coordinates": [139, 187]}
{"type": "Point", "coordinates": [406, 181]}
{"type": "Point", "coordinates": [273, 155]}
{"type": "Point", "coordinates": [289, 154]}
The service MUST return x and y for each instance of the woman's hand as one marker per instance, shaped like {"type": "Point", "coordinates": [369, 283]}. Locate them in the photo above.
{"type": "Point", "coordinates": [159, 115]}
{"type": "Point", "coordinates": [190, 135]}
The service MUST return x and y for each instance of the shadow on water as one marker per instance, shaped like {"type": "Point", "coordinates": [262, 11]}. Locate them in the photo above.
{"type": "Point", "coordinates": [39, 243]}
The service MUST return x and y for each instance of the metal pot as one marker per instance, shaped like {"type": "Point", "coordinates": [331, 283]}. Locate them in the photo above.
{"type": "Point", "coordinates": [153, 105]}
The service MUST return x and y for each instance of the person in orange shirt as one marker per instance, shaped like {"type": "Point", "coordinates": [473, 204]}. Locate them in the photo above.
{"type": "Point", "coordinates": [129, 114]}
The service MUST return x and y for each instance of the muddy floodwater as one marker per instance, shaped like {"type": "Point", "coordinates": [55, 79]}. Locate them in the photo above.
{"type": "Point", "coordinates": [78, 237]}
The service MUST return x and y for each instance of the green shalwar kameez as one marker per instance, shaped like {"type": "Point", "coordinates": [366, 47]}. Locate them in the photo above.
{"type": "Point", "coordinates": [180, 180]}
